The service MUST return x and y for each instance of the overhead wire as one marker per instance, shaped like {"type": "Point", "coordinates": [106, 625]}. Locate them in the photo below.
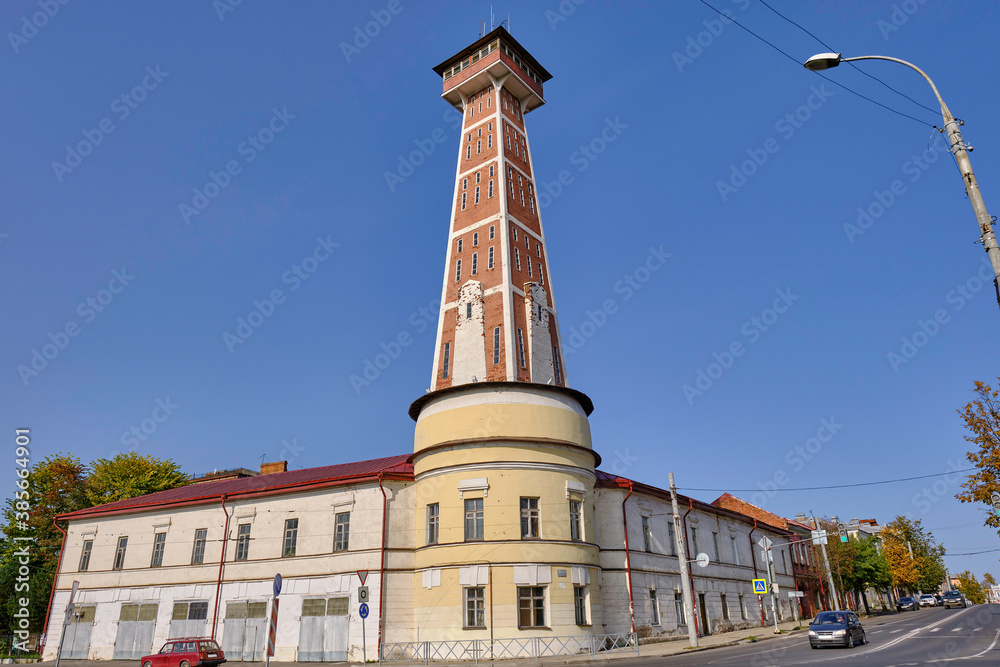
{"type": "Point", "coordinates": [870, 76]}
{"type": "Point", "coordinates": [825, 78]}
{"type": "Point", "coordinates": [835, 486]}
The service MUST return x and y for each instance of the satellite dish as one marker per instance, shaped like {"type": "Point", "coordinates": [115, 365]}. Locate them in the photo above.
{"type": "Point", "coordinates": [702, 560]}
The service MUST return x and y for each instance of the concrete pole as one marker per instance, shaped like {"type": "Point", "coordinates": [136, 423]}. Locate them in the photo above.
{"type": "Point", "coordinates": [683, 561]}
{"type": "Point", "coordinates": [960, 151]}
{"type": "Point", "coordinates": [829, 572]}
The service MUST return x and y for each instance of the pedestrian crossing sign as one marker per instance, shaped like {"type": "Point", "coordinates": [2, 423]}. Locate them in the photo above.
{"type": "Point", "coordinates": [760, 586]}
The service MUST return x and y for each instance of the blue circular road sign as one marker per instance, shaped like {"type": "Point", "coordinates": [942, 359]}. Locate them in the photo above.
{"type": "Point", "coordinates": [277, 585]}
{"type": "Point", "coordinates": [363, 610]}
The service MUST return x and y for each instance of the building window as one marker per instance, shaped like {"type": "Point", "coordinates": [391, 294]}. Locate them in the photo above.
{"type": "Point", "coordinates": [475, 608]}
{"type": "Point", "coordinates": [527, 244]}
{"type": "Point", "coordinates": [679, 608]}
{"type": "Point", "coordinates": [489, 126]}
{"type": "Point", "coordinates": [511, 183]}
{"type": "Point", "coordinates": [531, 201]}
{"type": "Point", "coordinates": [492, 232]}
{"type": "Point", "coordinates": [243, 541]}
{"type": "Point", "coordinates": [491, 171]}
{"type": "Point", "coordinates": [447, 358]}
{"type": "Point", "coordinates": [522, 197]}
{"type": "Point", "coordinates": [725, 608]}
{"type": "Point", "coordinates": [468, 309]}
{"type": "Point", "coordinates": [517, 259]}
{"type": "Point", "coordinates": [654, 608]}
{"type": "Point", "coordinates": [475, 260]}
{"type": "Point", "coordinates": [580, 604]}
{"type": "Point", "coordinates": [198, 550]}
{"type": "Point", "coordinates": [694, 541]}
{"type": "Point", "coordinates": [529, 518]}
{"type": "Point", "coordinates": [468, 152]}
{"type": "Point", "coordinates": [489, 141]}
{"type": "Point", "coordinates": [491, 257]}
{"type": "Point", "coordinates": [465, 184]}
{"type": "Point", "coordinates": [473, 519]}
{"type": "Point", "coordinates": [464, 195]}
{"type": "Point", "coordinates": [736, 552]}
{"type": "Point", "coordinates": [513, 231]}
{"type": "Point", "coordinates": [496, 333]}
{"type": "Point", "coordinates": [342, 531]}
{"type": "Point", "coordinates": [646, 546]}
{"type": "Point", "coordinates": [460, 245]}
{"type": "Point", "coordinates": [575, 520]}
{"type": "Point", "coordinates": [490, 191]}
{"type": "Point", "coordinates": [508, 142]}
{"type": "Point", "coordinates": [715, 546]}
{"type": "Point", "coordinates": [479, 146]}
{"type": "Point", "coordinates": [159, 541]}
{"type": "Point", "coordinates": [458, 270]}
{"type": "Point", "coordinates": [784, 564]}
{"type": "Point", "coordinates": [531, 606]}
{"type": "Point", "coordinates": [555, 359]}
{"type": "Point", "coordinates": [529, 275]}
{"type": "Point", "coordinates": [477, 195]}
{"type": "Point", "coordinates": [480, 132]}
{"type": "Point", "coordinates": [541, 278]}
{"type": "Point", "coordinates": [469, 138]}
{"type": "Point", "coordinates": [520, 184]}
{"type": "Point", "coordinates": [520, 345]}
{"type": "Point", "coordinates": [433, 517]}
{"type": "Point", "coordinates": [672, 539]}
{"type": "Point", "coordinates": [88, 546]}
{"type": "Point", "coordinates": [475, 239]}
{"type": "Point", "coordinates": [743, 609]}
{"type": "Point", "coordinates": [120, 553]}
{"type": "Point", "coordinates": [291, 536]}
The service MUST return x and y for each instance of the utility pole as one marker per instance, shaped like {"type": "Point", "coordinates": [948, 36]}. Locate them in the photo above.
{"type": "Point", "coordinates": [829, 572]}
{"type": "Point", "coordinates": [683, 561]}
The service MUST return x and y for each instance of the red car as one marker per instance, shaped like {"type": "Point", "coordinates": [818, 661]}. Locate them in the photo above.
{"type": "Point", "coordinates": [186, 652]}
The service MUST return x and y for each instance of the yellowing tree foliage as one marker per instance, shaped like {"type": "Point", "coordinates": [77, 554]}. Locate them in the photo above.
{"type": "Point", "coordinates": [982, 418]}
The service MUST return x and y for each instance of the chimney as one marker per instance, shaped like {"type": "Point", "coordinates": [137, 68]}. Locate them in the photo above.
{"type": "Point", "coordinates": [800, 517]}
{"type": "Point", "coordinates": [276, 466]}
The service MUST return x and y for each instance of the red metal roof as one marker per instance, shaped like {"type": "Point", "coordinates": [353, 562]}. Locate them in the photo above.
{"type": "Point", "coordinates": [392, 467]}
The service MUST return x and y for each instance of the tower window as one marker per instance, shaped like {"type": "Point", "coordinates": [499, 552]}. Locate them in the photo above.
{"type": "Point", "coordinates": [513, 231]}
{"type": "Point", "coordinates": [469, 139]}
{"type": "Point", "coordinates": [465, 184]}
{"type": "Point", "coordinates": [491, 171]}
{"type": "Point", "coordinates": [489, 141]}
{"type": "Point", "coordinates": [475, 263]}
{"type": "Point", "coordinates": [555, 358]}
{"type": "Point", "coordinates": [520, 345]}
{"type": "Point", "coordinates": [447, 359]}
{"type": "Point", "coordinates": [477, 177]}
{"type": "Point", "coordinates": [468, 152]}
{"type": "Point", "coordinates": [477, 194]}
{"type": "Point", "coordinates": [491, 257]}
{"type": "Point", "coordinates": [480, 132]}
{"type": "Point", "coordinates": [517, 259]}
{"type": "Point", "coordinates": [529, 271]}
{"type": "Point", "coordinates": [460, 245]}
{"type": "Point", "coordinates": [458, 270]}
{"type": "Point", "coordinates": [511, 187]}
{"type": "Point", "coordinates": [538, 250]}
{"type": "Point", "coordinates": [527, 246]}
{"type": "Point", "coordinates": [464, 195]}
{"type": "Point", "coordinates": [496, 345]}
{"type": "Point", "coordinates": [491, 232]}
{"type": "Point", "coordinates": [468, 310]}
{"type": "Point", "coordinates": [488, 100]}
{"type": "Point", "coordinates": [480, 107]}
{"type": "Point", "coordinates": [489, 127]}
{"type": "Point", "coordinates": [508, 142]}
{"type": "Point", "coordinates": [475, 239]}
{"type": "Point", "coordinates": [531, 201]}
{"type": "Point", "coordinates": [491, 190]}
{"type": "Point", "coordinates": [541, 278]}
{"type": "Point", "coordinates": [519, 183]}
{"type": "Point", "coordinates": [479, 146]}
{"type": "Point", "coordinates": [522, 196]}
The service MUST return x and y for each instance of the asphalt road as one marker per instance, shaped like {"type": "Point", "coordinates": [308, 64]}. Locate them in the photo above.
{"type": "Point", "coordinates": [933, 635]}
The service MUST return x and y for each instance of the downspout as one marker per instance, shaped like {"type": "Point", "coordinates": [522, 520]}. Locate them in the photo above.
{"type": "Point", "coordinates": [55, 578]}
{"type": "Point", "coordinates": [381, 571]}
{"type": "Point", "coordinates": [753, 557]}
{"type": "Point", "coordinates": [628, 560]}
{"type": "Point", "coordinates": [222, 561]}
{"type": "Point", "coordinates": [489, 574]}
{"type": "Point", "coordinates": [694, 600]}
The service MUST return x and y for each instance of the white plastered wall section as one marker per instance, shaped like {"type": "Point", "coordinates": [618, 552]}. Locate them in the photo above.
{"type": "Point", "coordinates": [470, 339]}
{"type": "Point", "coordinates": [539, 339]}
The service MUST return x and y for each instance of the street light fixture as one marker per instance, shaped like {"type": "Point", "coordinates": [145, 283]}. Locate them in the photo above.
{"type": "Point", "coordinates": [959, 149]}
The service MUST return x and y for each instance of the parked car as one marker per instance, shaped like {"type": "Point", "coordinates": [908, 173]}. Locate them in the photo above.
{"type": "Point", "coordinates": [186, 652]}
{"type": "Point", "coordinates": [927, 600]}
{"type": "Point", "coordinates": [954, 599]}
{"type": "Point", "coordinates": [836, 628]}
{"type": "Point", "coordinates": [907, 604]}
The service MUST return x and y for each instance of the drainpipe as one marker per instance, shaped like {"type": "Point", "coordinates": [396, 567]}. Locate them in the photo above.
{"type": "Point", "coordinates": [381, 571]}
{"type": "Point", "coordinates": [55, 578]}
{"type": "Point", "coordinates": [753, 557]}
{"type": "Point", "coordinates": [628, 560]}
{"type": "Point", "coordinates": [694, 600]}
{"type": "Point", "coordinates": [222, 561]}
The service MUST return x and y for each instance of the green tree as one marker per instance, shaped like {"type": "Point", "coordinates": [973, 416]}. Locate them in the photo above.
{"type": "Point", "coordinates": [54, 486]}
{"type": "Point", "coordinates": [982, 418]}
{"type": "Point", "coordinates": [988, 579]}
{"type": "Point", "coordinates": [971, 588]}
{"type": "Point", "coordinates": [130, 474]}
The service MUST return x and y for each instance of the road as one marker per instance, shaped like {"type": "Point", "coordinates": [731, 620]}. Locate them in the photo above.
{"type": "Point", "coordinates": [931, 636]}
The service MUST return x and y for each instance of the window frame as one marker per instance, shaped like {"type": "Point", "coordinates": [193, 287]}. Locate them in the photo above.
{"type": "Point", "coordinates": [433, 534]}
{"type": "Point", "coordinates": [531, 521]}
{"type": "Point", "coordinates": [242, 542]}
{"type": "Point", "coordinates": [581, 606]}
{"type": "Point", "coordinates": [576, 520]}
{"type": "Point", "coordinates": [476, 517]}
{"type": "Point", "coordinates": [474, 598]}
{"type": "Point", "coordinates": [534, 596]}
{"type": "Point", "coordinates": [159, 545]}
{"type": "Point", "coordinates": [200, 540]}
{"type": "Point", "coordinates": [85, 553]}
{"type": "Point", "coordinates": [290, 539]}
{"type": "Point", "coordinates": [341, 532]}
{"type": "Point", "coordinates": [120, 550]}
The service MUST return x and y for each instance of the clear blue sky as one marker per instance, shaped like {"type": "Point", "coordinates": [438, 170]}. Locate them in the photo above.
{"type": "Point", "coordinates": [691, 98]}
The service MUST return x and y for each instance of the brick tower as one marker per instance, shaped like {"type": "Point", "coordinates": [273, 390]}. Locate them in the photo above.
{"type": "Point", "coordinates": [498, 319]}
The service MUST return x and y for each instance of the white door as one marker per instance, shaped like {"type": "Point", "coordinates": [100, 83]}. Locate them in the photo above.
{"type": "Point", "coordinates": [324, 634]}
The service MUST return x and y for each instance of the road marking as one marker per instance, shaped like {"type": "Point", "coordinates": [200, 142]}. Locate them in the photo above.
{"type": "Point", "coordinates": [957, 630]}
{"type": "Point", "coordinates": [976, 629]}
{"type": "Point", "coordinates": [892, 632]}
{"type": "Point", "coordinates": [936, 630]}
{"type": "Point", "coordinates": [966, 657]}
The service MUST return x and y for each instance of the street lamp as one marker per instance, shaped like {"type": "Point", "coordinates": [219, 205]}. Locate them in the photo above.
{"type": "Point", "coordinates": [958, 148]}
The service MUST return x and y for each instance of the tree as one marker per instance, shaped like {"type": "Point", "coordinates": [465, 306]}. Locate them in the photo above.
{"type": "Point", "coordinates": [54, 486]}
{"type": "Point", "coordinates": [130, 474]}
{"type": "Point", "coordinates": [988, 579]}
{"type": "Point", "coordinates": [915, 559]}
{"type": "Point", "coordinates": [971, 588]}
{"type": "Point", "coordinates": [982, 418]}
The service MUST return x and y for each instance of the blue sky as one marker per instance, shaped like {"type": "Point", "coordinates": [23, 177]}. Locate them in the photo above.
{"type": "Point", "coordinates": [250, 155]}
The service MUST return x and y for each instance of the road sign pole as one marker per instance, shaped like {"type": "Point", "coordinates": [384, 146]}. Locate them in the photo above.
{"type": "Point", "coordinates": [829, 572]}
{"type": "Point", "coordinates": [364, 643]}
